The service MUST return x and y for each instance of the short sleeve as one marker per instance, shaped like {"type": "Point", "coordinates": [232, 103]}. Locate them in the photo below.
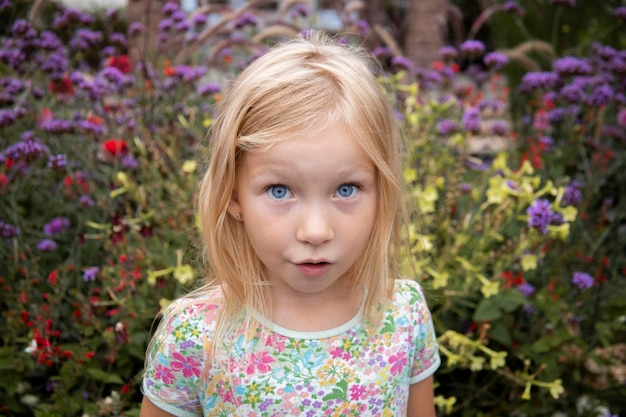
{"type": "Point", "coordinates": [426, 349]}
{"type": "Point", "coordinates": [175, 360]}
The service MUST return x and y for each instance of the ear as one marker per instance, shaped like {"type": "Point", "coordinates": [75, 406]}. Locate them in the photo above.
{"type": "Point", "coordinates": [234, 208]}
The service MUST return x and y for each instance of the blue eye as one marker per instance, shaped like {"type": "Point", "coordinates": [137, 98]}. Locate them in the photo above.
{"type": "Point", "coordinates": [347, 190]}
{"type": "Point", "coordinates": [278, 192]}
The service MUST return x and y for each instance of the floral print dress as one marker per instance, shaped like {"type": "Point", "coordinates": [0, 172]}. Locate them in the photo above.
{"type": "Point", "coordinates": [280, 372]}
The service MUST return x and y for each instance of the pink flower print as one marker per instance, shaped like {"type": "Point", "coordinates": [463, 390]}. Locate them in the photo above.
{"type": "Point", "coordinates": [260, 362]}
{"type": "Point", "coordinates": [398, 361]}
{"type": "Point", "coordinates": [336, 353]}
{"type": "Point", "coordinates": [188, 366]}
{"type": "Point", "coordinates": [356, 392]}
{"type": "Point", "coordinates": [164, 374]}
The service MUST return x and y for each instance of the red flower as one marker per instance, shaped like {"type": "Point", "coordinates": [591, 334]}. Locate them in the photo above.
{"type": "Point", "coordinates": [62, 87]}
{"type": "Point", "coordinates": [52, 277]}
{"type": "Point", "coordinates": [121, 62]}
{"type": "Point", "coordinates": [4, 180]}
{"type": "Point", "coordinates": [115, 147]}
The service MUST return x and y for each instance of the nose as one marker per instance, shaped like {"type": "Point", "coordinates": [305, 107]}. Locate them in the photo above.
{"type": "Point", "coordinates": [315, 225]}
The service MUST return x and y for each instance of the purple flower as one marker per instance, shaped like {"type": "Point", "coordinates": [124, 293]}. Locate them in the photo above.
{"type": "Point", "coordinates": [114, 76]}
{"type": "Point", "coordinates": [547, 143]}
{"type": "Point", "coordinates": [540, 215]}
{"type": "Point", "coordinates": [526, 289]}
{"type": "Point", "coordinates": [600, 96]}
{"type": "Point", "coordinates": [22, 29]}
{"type": "Point", "coordinates": [90, 273]}
{"type": "Point", "coordinates": [573, 93]}
{"type": "Point", "coordinates": [246, 19]}
{"type": "Point", "coordinates": [119, 39]}
{"type": "Point", "coordinates": [446, 127]}
{"type": "Point", "coordinates": [465, 188]}
{"type": "Point", "coordinates": [448, 53]}
{"type": "Point", "coordinates": [401, 62]}
{"type": "Point", "coordinates": [620, 12]}
{"type": "Point", "coordinates": [499, 127]}
{"type": "Point", "coordinates": [513, 7]}
{"type": "Point", "coordinates": [49, 41]}
{"type": "Point", "coordinates": [129, 162]}
{"type": "Point", "coordinates": [8, 231]}
{"type": "Point", "coordinates": [182, 26]}
{"type": "Point", "coordinates": [472, 48]}
{"type": "Point", "coordinates": [496, 60]}
{"type": "Point", "coordinates": [56, 226]}
{"type": "Point", "coordinates": [582, 280]}
{"type": "Point", "coordinates": [134, 29]}
{"type": "Point", "coordinates": [27, 150]}
{"type": "Point", "coordinates": [199, 20]}
{"type": "Point", "coordinates": [209, 88]}
{"type": "Point", "coordinates": [471, 120]}
{"type": "Point", "coordinates": [538, 80]}
{"type": "Point", "coordinates": [572, 195]}
{"type": "Point", "coordinates": [57, 162]}
{"type": "Point", "coordinates": [85, 201]}
{"type": "Point", "coordinates": [57, 126]}
{"type": "Point", "coordinates": [189, 73]}
{"type": "Point", "coordinates": [169, 8]}
{"type": "Point", "coordinates": [46, 245]}
{"type": "Point", "coordinates": [85, 39]}
{"type": "Point", "coordinates": [382, 52]}
{"type": "Point", "coordinates": [300, 10]}
{"type": "Point", "coordinates": [570, 65]}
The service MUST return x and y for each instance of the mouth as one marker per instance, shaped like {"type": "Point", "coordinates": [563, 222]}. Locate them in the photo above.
{"type": "Point", "coordinates": [313, 269]}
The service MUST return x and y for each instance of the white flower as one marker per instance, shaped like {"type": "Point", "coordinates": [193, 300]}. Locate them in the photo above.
{"type": "Point", "coordinates": [32, 347]}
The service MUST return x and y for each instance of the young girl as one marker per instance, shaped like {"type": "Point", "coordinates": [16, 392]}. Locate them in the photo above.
{"type": "Point", "coordinates": [301, 209]}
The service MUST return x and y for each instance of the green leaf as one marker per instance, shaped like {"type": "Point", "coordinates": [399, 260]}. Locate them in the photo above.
{"type": "Point", "coordinates": [501, 333]}
{"type": "Point", "coordinates": [511, 299]}
{"type": "Point", "coordinates": [487, 310]}
{"type": "Point", "coordinates": [102, 376]}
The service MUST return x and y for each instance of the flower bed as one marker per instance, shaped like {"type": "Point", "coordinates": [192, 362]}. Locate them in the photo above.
{"type": "Point", "coordinates": [520, 246]}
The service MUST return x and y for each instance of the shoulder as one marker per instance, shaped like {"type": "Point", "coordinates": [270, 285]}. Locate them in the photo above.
{"type": "Point", "coordinates": [408, 291]}
{"type": "Point", "coordinates": [190, 314]}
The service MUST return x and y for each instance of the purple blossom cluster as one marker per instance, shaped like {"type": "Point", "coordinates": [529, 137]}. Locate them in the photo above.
{"type": "Point", "coordinates": [540, 215]}
{"type": "Point", "coordinates": [26, 151]}
{"type": "Point", "coordinates": [513, 7]}
{"type": "Point", "coordinates": [526, 289]}
{"type": "Point", "coordinates": [8, 231]}
{"type": "Point", "coordinates": [471, 120]}
{"type": "Point", "coordinates": [46, 245]}
{"type": "Point", "coordinates": [572, 195]}
{"type": "Point", "coordinates": [56, 226]}
{"type": "Point", "coordinates": [496, 60]}
{"type": "Point", "coordinates": [472, 48]}
{"type": "Point", "coordinates": [582, 280]}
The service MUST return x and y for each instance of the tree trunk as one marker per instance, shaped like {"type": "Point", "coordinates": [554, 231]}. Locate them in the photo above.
{"type": "Point", "coordinates": [426, 31]}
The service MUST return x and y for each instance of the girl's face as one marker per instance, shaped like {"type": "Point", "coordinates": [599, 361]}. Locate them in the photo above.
{"type": "Point", "coordinates": [308, 206]}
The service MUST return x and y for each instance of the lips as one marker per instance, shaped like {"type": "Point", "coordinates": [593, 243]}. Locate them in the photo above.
{"type": "Point", "coordinates": [313, 269]}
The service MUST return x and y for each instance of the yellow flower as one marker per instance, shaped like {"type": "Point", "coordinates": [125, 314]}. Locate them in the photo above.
{"type": "Point", "coordinates": [556, 388]}
{"type": "Point", "coordinates": [529, 262]}
{"type": "Point", "coordinates": [184, 274]}
{"type": "Point", "coordinates": [189, 166]}
{"type": "Point", "coordinates": [497, 359]}
{"type": "Point", "coordinates": [526, 393]}
{"type": "Point", "coordinates": [426, 198]}
{"type": "Point", "coordinates": [569, 213]}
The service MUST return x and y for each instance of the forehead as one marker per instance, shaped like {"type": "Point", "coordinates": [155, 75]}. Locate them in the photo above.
{"type": "Point", "coordinates": [330, 149]}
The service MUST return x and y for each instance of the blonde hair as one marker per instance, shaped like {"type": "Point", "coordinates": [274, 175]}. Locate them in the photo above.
{"type": "Point", "coordinates": [296, 86]}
